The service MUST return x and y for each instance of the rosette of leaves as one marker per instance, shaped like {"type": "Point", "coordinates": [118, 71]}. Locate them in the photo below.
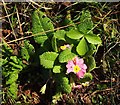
{"type": "Point", "coordinates": [87, 40]}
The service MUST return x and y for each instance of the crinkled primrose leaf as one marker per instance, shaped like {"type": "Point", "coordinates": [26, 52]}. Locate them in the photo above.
{"type": "Point", "coordinates": [24, 53]}
{"type": "Point", "coordinates": [29, 47]}
{"type": "Point", "coordinates": [56, 69]}
{"type": "Point", "coordinates": [14, 59]}
{"type": "Point", "coordinates": [88, 76]}
{"type": "Point", "coordinates": [17, 66]}
{"type": "Point", "coordinates": [66, 55]}
{"type": "Point", "coordinates": [65, 86]}
{"type": "Point", "coordinates": [6, 50]}
{"type": "Point", "coordinates": [86, 23]}
{"type": "Point", "coordinates": [60, 34]}
{"type": "Point", "coordinates": [40, 24]}
{"type": "Point", "coordinates": [47, 59]}
{"type": "Point", "coordinates": [12, 77]}
{"type": "Point", "coordinates": [13, 89]}
{"type": "Point", "coordinates": [62, 84]}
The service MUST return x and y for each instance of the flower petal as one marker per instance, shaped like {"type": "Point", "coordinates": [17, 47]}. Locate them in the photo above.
{"type": "Point", "coordinates": [84, 66]}
{"type": "Point", "coordinates": [69, 70]}
{"type": "Point", "coordinates": [68, 46]}
{"type": "Point", "coordinates": [70, 64]}
{"type": "Point", "coordinates": [79, 61]}
{"type": "Point", "coordinates": [80, 74]}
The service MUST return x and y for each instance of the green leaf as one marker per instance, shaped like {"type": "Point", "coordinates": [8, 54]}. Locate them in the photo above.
{"type": "Point", "coordinates": [62, 84]}
{"type": "Point", "coordinates": [6, 49]}
{"type": "Point", "coordinates": [82, 47]}
{"type": "Point", "coordinates": [47, 59]}
{"type": "Point", "coordinates": [86, 23]}
{"type": "Point", "coordinates": [60, 34]}
{"type": "Point", "coordinates": [56, 98]}
{"type": "Point", "coordinates": [13, 90]}
{"type": "Point", "coordinates": [24, 53]}
{"type": "Point", "coordinates": [101, 86]}
{"type": "Point", "coordinates": [16, 65]}
{"type": "Point", "coordinates": [65, 85]}
{"type": "Point", "coordinates": [12, 77]}
{"type": "Point", "coordinates": [40, 24]}
{"type": "Point", "coordinates": [3, 61]}
{"type": "Point", "coordinates": [87, 77]}
{"type": "Point", "coordinates": [29, 47]}
{"type": "Point", "coordinates": [42, 90]}
{"type": "Point", "coordinates": [14, 59]}
{"type": "Point", "coordinates": [66, 55]}
{"type": "Point", "coordinates": [56, 69]}
{"type": "Point", "coordinates": [91, 63]}
{"type": "Point", "coordinates": [94, 39]}
{"type": "Point", "coordinates": [54, 44]}
{"type": "Point", "coordinates": [91, 51]}
{"type": "Point", "coordinates": [74, 34]}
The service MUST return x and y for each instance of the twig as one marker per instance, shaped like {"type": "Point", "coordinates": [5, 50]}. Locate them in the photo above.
{"type": "Point", "coordinates": [110, 49]}
{"type": "Point", "coordinates": [67, 8]}
{"type": "Point", "coordinates": [39, 5]}
{"type": "Point", "coordinates": [9, 19]}
{"type": "Point", "coordinates": [108, 89]}
{"type": "Point", "coordinates": [100, 21]}
{"type": "Point", "coordinates": [40, 33]}
{"type": "Point", "coordinates": [7, 15]}
{"type": "Point", "coordinates": [7, 36]}
{"type": "Point", "coordinates": [99, 91]}
{"type": "Point", "coordinates": [21, 31]}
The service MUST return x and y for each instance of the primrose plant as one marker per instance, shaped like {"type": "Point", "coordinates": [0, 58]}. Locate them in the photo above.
{"type": "Point", "coordinates": [67, 53]}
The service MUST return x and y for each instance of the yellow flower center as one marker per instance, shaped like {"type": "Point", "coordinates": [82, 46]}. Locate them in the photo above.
{"type": "Point", "coordinates": [76, 68]}
{"type": "Point", "coordinates": [63, 47]}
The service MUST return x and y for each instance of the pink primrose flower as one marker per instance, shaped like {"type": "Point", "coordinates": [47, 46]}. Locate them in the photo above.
{"type": "Point", "coordinates": [77, 66]}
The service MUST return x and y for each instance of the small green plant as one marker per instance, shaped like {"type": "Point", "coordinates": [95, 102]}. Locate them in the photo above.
{"type": "Point", "coordinates": [56, 57]}
{"type": "Point", "coordinates": [12, 66]}
{"type": "Point", "coordinates": [66, 51]}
